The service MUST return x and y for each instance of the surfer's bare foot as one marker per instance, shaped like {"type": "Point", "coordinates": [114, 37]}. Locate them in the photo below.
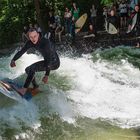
{"type": "Point", "coordinates": [22, 91]}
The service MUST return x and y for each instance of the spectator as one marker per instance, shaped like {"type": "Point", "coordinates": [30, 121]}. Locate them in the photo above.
{"type": "Point", "coordinates": [52, 26]}
{"type": "Point", "coordinates": [75, 11]}
{"type": "Point", "coordinates": [75, 15]}
{"type": "Point", "coordinates": [93, 17]}
{"type": "Point", "coordinates": [90, 31]}
{"type": "Point", "coordinates": [113, 20]}
{"type": "Point", "coordinates": [137, 25]}
{"type": "Point", "coordinates": [123, 13]}
{"type": "Point", "coordinates": [67, 18]}
{"type": "Point", "coordinates": [58, 32]}
{"type": "Point", "coordinates": [30, 26]}
{"type": "Point", "coordinates": [24, 34]}
{"type": "Point", "coordinates": [105, 12]}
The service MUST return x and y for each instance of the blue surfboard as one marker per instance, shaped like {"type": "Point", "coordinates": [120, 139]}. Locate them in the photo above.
{"type": "Point", "coordinates": [10, 89]}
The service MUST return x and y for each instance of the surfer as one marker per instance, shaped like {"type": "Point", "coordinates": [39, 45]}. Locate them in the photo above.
{"type": "Point", "coordinates": [51, 60]}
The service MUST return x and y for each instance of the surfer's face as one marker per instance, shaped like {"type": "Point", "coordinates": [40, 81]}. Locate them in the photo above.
{"type": "Point", "coordinates": [34, 36]}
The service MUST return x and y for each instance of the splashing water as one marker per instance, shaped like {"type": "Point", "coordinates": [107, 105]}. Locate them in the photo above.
{"type": "Point", "coordinates": [99, 89]}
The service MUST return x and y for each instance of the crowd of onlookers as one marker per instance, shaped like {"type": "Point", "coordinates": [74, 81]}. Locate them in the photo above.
{"type": "Point", "coordinates": [119, 14]}
{"type": "Point", "coordinates": [56, 28]}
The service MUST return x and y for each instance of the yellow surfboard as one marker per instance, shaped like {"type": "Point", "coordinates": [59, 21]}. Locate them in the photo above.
{"type": "Point", "coordinates": [80, 23]}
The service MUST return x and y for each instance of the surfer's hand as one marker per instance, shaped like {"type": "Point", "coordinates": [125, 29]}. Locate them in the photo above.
{"type": "Point", "coordinates": [12, 64]}
{"type": "Point", "coordinates": [45, 79]}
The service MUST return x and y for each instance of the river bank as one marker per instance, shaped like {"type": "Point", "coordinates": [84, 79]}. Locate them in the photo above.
{"type": "Point", "coordinates": [84, 44]}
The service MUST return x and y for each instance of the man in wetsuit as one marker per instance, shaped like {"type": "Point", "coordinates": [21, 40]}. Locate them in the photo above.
{"type": "Point", "coordinates": [51, 60]}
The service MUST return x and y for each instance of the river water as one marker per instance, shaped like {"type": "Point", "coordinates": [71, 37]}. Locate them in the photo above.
{"type": "Point", "coordinates": [90, 97]}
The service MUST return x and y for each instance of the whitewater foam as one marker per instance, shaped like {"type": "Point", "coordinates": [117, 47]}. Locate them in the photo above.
{"type": "Point", "coordinates": [104, 90]}
{"type": "Point", "coordinates": [100, 90]}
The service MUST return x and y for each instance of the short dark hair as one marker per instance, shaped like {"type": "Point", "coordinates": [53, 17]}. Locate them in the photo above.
{"type": "Point", "coordinates": [32, 30]}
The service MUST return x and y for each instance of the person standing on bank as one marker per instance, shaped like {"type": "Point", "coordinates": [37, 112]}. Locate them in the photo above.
{"type": "Point", "coordinates": [113, 19]}
{"type": "Point", "coordinates": [51, 60]}
{"type": "Point", "coordinates": [93, 17]}
{"type": "Point", "coordinates": [75, 15]}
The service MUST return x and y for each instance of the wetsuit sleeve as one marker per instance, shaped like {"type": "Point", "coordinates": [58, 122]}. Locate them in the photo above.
{"type": "Point", "coordinates": [48, 57]}
{"type": "Point", "coordinates": [21, 52]}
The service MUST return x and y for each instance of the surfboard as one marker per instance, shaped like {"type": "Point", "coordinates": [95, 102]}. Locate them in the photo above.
{"type": "Point", "coordinates": [111, 29]}
{"type": "Point", "coordinates": [134, 20]}
{"type": "Point", "coordinates": [10, 89]}
{"type": "Point", "coordinates": [80, 23]}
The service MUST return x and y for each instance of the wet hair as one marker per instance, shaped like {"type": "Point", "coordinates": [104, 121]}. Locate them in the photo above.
{"type": "Point", "coordinates": [32, 30]}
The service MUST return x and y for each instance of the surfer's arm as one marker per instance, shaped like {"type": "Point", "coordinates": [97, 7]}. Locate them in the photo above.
{"type": "Point", "coordinates": [47, 58]}
{"type": "Point", "coordinates": [21, 52]}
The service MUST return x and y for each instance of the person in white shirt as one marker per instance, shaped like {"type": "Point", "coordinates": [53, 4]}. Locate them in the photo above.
{"type": "Point", "coordinates": [123, 14]}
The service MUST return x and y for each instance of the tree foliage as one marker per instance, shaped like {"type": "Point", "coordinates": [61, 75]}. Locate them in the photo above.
{"type": "Point", "coordinates": [107, 2]}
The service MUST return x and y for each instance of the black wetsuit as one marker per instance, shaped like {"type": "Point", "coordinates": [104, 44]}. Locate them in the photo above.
{"type": "Point", "coordinates": [51, 60]}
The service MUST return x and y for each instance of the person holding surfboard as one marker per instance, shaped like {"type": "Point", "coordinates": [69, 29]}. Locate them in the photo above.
{"type": "Point", "coordinates": [75, 11]}
{"type": "Point", "coordinates": [50, 59]}
{"type": "Point", "coordinates": [134, 23]}
{"type": "Point", "coordinates": [112, 25]}
{"type": "Point", "coordinates": [75, 15]}
{"type": "Point", "coordinates": [67, 18]}
{"type": "Point", "coordinates": [113, 19]}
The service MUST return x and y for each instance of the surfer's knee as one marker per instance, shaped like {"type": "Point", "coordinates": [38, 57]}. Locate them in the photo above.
{"type": "Point", "coordinates": [29, 70]}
